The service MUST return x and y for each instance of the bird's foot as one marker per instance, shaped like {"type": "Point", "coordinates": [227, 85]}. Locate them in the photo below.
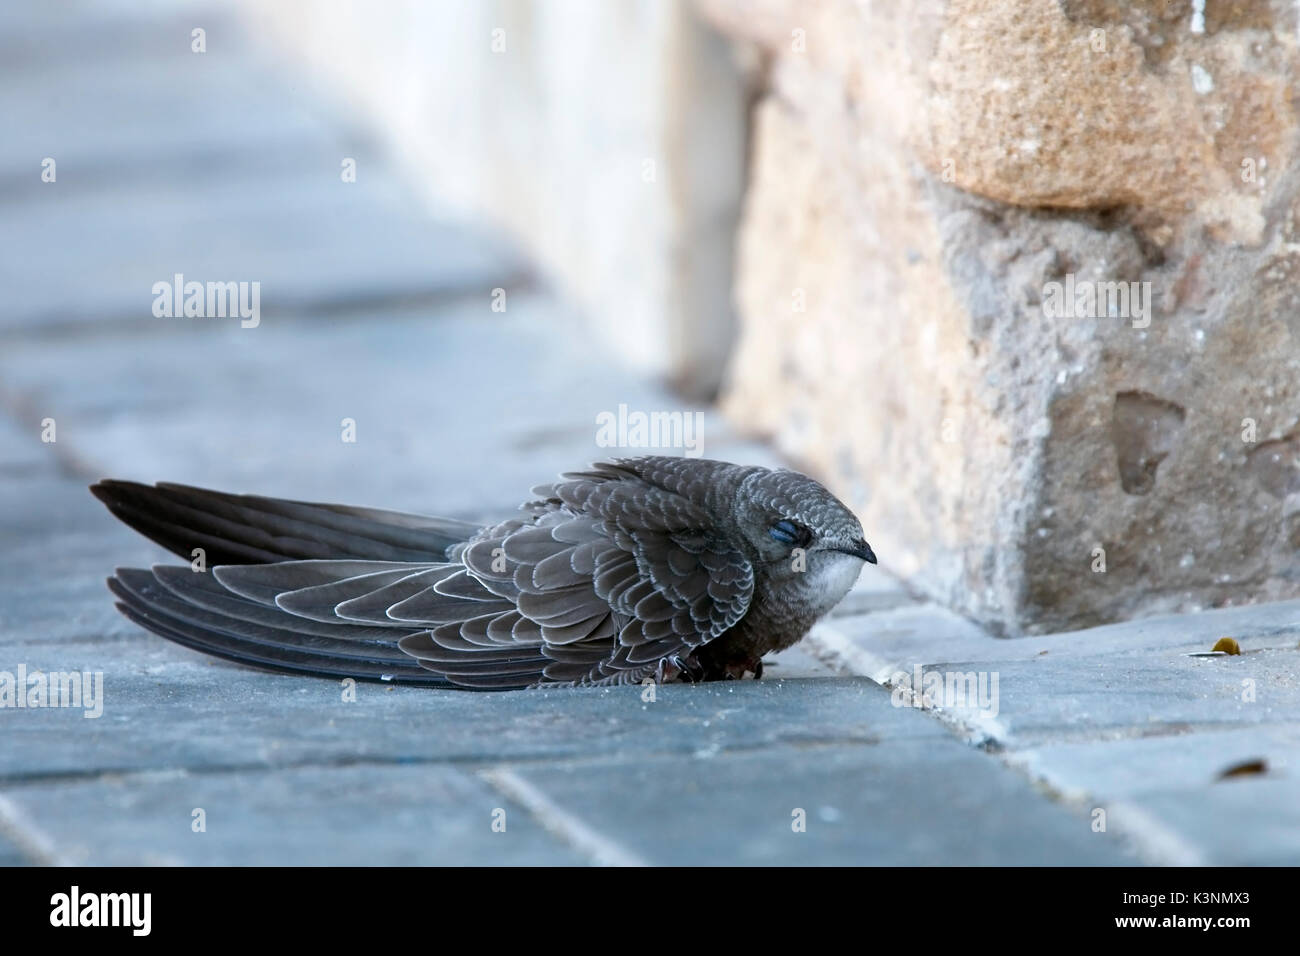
{"type": "Point", "coordinates": [690, 670]}
{"type": "Point", "coordinates": [745, 670]}
{"type": "Point", "coordinates": [680, 670]}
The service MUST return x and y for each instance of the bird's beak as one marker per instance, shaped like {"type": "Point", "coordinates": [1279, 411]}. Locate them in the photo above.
{"type": "Point", "coordinates": [860, 549]}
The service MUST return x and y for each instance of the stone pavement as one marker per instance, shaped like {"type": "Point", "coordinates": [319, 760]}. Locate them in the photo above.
{"type": "Point", "coordinates": [218, 167]}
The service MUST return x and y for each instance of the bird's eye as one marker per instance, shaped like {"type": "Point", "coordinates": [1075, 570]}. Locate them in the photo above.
{"type": "Point", "coordinates": [787, 532]}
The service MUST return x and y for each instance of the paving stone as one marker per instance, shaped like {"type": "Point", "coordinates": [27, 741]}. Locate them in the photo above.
{"type": "Point", "coordinates": [1136, 766]}
{"type": "Point", "coordinates": [22, 454]}
{"type": "Point", "coordinates": [1137, 691]}
{"type": "Point", "coordinates": [165, 707]}
{"type": "Point", "coordinates": [460, 412]}
{"type": "Point", "coordinates": [1122, 718]}
{"type": "Point", "coordinates": [53, 591]}
{"type": "Point", "coordinates": [888, 639]}
{"type": "Point", "coordinates": [1253, 822]}
{"type": "Point", "coordinates": [900, 803]}
{"type": "Point", "coordinates": [1170, 791]}
{"type": "Point", "coordinates": [1139, 674]}
{"type": "Point", "coordinates": [122, 98]}
{"type": "Point", "coordinates": [57, 553]}
{"type": "Point", "coordinates": [313, 816]}
{"type": "Point", "coordinates": [230, 173]}
{"type": "Point", "coordinates": [902, 637]}
{"type": "Point", "coordinates": [311, 242]}
{"type": "Point", "coordinates": [10, 855]}
{"type": "Point", "coordinates": [795, 661]}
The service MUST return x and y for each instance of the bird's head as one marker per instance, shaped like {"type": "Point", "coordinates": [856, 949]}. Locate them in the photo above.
{"type": "Point", "coordinates": [800, 536]}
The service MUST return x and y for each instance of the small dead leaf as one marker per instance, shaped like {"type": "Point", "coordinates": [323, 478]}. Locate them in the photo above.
{"type": "Point", "coordinates": [1228, 645]}
{"type": "Point", "coordinates": [1245, 768]}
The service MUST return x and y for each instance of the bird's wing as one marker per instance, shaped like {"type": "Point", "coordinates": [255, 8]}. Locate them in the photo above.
{"type": "Point", "coordinates": [599, 582]}
{"type": "Point", "coordinates": [611, 575]}
{"type": "Point", "coordinates": [242, 622]}
{"type": "Point", "coordinates": [244, 529]}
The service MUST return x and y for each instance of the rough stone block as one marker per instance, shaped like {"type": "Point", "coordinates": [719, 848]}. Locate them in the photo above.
{"type": "Point", "coordinates": [1019, 280]}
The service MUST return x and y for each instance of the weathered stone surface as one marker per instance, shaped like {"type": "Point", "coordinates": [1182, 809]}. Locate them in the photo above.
{"type": "Point", "coordinates": [929, 182]}
{"type": "Point", "coordinates": [1180, 796]}
{"type": "Point", "coordinates": [1099, 104]}
{"type": "Point", "coordinates": [490, 405]}
{"type": "Point", "coordinates": [1132, 719]}
{"type": "Point", "coordinates": [11, 855]}
{"type": "Point", "coordinates": [224, 168]}
{"type": "Point", "coordinates": [363, 815]}
{"type": "Point", "coordinates": [900, 803]}
{"type": "Point", "coordinates": [1171, 693]}
{"type": "Point", "coordinates": [909, 634]}
{"type": "Point", "coordinates": [1153, 675]}
{"type": "Point", "coordinates": [168, 708]}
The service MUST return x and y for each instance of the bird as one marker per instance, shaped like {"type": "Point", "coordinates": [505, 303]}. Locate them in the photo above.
{"type": "Point", "coordinates": [653, 569]}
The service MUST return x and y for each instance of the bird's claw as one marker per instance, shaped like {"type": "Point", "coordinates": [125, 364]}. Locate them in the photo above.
{"type": "Point", "coordinates": [681, 670]}
{"type": "Point", "coordinates": [677, 669]}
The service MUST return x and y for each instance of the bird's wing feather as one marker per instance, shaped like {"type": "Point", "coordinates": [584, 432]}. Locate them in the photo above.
{"type": "Point", "coordinates": [244, 529]}
{"type": "Point", "coordinates": [616, 575]}
{"type": "Point", "coordinates": [286, 645]}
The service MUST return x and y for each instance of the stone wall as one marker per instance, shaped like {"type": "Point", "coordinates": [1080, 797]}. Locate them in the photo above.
{"type": "Point", "coordinates": [929, 180]}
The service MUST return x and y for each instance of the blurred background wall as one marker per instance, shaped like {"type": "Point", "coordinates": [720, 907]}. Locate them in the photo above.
{"type": "Point", "coordinates": [893, 196]}
{"type": "Point", "coordinates": [608, 137]}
